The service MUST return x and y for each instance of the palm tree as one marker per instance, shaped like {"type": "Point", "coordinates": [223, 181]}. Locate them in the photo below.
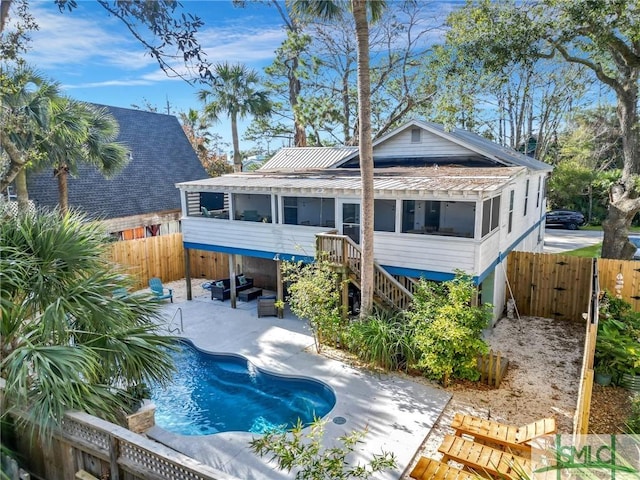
{"type": "Point", "coordinates": [25, 106]}
{"type": "Point", "coordinates": [233, 93]}
{"type": "Point", "coordinates": [81, 133]}
{"type": "Point", "coordinates": [328, 10]}
{"type": "Point", "coordinates": [66, 342]}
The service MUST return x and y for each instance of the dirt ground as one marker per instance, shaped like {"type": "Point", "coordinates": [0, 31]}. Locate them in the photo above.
{"type": "Point", "coordinates": [542, 379]}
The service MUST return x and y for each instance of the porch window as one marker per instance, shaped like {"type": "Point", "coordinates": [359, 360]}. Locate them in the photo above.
{"type": "Point", "coordinates": [384, 216]}
{"type": "Point", "coordinates": [252, 207]}
{"type": "Point", "coordinates": [490, 215]}
{"type": "Point", "coordinates": [210, 204]}
{"type": "Point", "coordinates": [309, 211]}
{"type": "Point", "coordinates": [512, 194]}
{"type": "Point", "coordinates": [431, 217]}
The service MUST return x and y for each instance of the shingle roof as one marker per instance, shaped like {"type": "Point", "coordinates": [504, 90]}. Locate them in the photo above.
{"type": "Point", "coordinates": [161, 157]}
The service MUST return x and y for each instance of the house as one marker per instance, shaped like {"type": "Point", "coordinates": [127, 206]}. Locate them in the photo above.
{"type": "Point", "coordinates": [141, 200]}
{"type": "Point", "coordinates": [444, 201]}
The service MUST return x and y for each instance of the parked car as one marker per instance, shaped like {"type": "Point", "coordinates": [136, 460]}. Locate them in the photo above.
{"type": "Point", "coordinates": [635, 239]}
{"type": "Point", "coordinates": [565, 218]}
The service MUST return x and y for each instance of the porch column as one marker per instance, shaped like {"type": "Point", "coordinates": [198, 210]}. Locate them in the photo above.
{"type": "Point", "coordinates": [232, 278]}
{"type": "Point", "coordinates": [187, 271]}
{"type": "Point", "coordinates": [279, 289]}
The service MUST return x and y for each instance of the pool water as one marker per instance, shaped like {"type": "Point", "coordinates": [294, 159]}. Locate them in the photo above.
{"type": "Point", "coordinates": [214, 393]}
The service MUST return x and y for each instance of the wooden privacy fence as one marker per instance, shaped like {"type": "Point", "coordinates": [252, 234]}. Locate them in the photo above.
{"type": "Point", "coordinates": [559, 286]}
{"type": "Point", "coordinates": [163, 257]}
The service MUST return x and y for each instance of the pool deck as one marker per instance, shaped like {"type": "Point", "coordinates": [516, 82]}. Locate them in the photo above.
{"type": "Point", "coordinates": [397, 412]}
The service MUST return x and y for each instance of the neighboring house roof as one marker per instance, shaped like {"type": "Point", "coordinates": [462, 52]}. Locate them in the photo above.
{"type": "Point", "coordinates": [161, 156]}
{"type": "Point", "coordinates": [307, 158]}
{"type": "Point", "coordinates": [386, 180]}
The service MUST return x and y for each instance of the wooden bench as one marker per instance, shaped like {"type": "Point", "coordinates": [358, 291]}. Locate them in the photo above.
{"type": "Point", "coordinates": [507, 436]}
{"type": "Point", "coordinates": [430, 469]}
{"type": "Point", "coordinates": [482, 459]}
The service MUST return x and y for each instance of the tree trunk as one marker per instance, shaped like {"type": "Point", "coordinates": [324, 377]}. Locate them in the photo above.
{"type": "Point", "coordinates": [17, 160]}
{"type": "Point", "coordinates": [237, 161]}
{"type": "Point", "coordinates": [21, 191]}
{"type": "Point", "coordinates": [299, 135]}
{"type": "Point", "coordinates": [624, 197]}
{"type": "Point", "coordinates": [366, 154]}
{"type": "Point", "coordinates": [62, 174]}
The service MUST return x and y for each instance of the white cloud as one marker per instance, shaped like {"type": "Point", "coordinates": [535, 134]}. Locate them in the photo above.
{"type": "Point", "coordinates": [80, 38]}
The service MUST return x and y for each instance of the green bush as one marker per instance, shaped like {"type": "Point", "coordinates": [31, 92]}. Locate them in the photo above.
{"type": "Point", "coordinates": [448, 329]}
{"type": "Point", "coordinates": [633, 422]}
{"type": "Point", "coordinates": [617, 346]}
{"type": "Point", "coordinates": [384, 339]}
{"type": "Point", "coordinates": [314, 294]}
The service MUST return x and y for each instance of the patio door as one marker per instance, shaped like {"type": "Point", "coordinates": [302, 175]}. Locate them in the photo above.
{"type": "Point", "coordinates": [351, 220]}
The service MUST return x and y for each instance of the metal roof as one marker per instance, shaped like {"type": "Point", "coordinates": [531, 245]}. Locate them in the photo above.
{"type": "Point", "coordinates": [386, 181]}
{"type": "Point", "coordinates": [305, 158]}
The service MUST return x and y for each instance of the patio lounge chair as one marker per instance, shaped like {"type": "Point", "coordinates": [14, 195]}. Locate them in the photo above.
{"type": "Point", "coordinates": [430, 469]}
{"type": "Point", "coordinates": [161, 293]}
{"type": "Point", "coordinates": [508, 436]}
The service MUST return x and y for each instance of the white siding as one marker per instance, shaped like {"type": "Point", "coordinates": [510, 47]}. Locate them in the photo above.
{"type": "Point", "coordinates": [429, 145]}
{"type": "Point", "coordinates": [269, 237]}
{"type": "Point", "coordinates": [426, 252]}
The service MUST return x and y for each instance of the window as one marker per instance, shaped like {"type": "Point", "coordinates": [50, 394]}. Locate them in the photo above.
{"type": "Point", "coordinates": [538, 197]}
{"type": "Point", "coordinates": [526, 197]}
{"type": "Point", "coordinates": [512, 194]}
{"type": "Point", "coordinates": [415, 135]}
{"type": "Point", "coordinates": [490, 215]}
{"type": "Point", "coordinates": [384, 216]}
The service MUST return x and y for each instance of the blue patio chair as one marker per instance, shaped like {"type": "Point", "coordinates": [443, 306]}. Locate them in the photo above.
{"type": "Point", "coordinates": [155, 284]}
{"type": "Point", "coordinates": [120, 293]}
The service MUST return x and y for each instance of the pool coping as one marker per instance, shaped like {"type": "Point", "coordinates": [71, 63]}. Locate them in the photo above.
{"type": "Point", "coordinates": [397, 412]}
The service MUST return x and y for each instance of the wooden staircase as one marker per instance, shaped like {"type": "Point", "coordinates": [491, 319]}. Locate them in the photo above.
{"type": "Point", "coordinates": [387, 291]}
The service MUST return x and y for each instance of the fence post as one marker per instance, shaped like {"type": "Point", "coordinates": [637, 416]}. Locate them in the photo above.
{"type": "Point", "coordinates": [114, 453]}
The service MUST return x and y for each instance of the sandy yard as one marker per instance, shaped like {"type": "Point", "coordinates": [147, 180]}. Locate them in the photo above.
{"type": "Point", "coordinates": [542, 380]}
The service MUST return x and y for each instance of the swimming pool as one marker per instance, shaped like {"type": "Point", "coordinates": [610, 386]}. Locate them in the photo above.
{"type": "Point", "coordinates": [214, 393]}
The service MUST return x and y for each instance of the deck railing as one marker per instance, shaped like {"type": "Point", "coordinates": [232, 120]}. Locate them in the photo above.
{"type": "Point", "coordinates": [342, 250]}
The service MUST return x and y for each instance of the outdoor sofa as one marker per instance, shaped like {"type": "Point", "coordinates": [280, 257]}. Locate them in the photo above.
{"type": "Point", "coordinates": [221, 289]}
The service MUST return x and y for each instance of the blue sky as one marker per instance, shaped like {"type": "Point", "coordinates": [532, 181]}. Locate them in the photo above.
{"type": "Point", "coordinates": [96, 59]}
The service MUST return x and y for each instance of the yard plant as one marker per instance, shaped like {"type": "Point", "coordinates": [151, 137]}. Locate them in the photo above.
{"type": "Point", "coordinates": [302, 451]}
{"type": "Point", "coordinates": [617, 346]}
{"type": "Point", "coordinates": [314, 295]}
{"type": "Point", "coordinates": [66, 341]}
{"type": "Point", "coordinates": [448, 328]}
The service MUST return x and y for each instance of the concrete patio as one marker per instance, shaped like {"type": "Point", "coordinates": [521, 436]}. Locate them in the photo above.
{"type": "Point", "coordinates": [397, 412]}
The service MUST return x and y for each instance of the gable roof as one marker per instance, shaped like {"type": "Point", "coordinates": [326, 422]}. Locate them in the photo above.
{"type": "Point", "coordinates": [161, 156]}
{"type": "Point", "coordinates": [503, 156]}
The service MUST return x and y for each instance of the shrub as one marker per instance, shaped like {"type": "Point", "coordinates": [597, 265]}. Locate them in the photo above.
{"type": "Point", "coordinates": [304, 453]}
{"type": "Point", "coordinates": [314, 295]}
{"type": "Point", "coordinates": [384, 339]}
{"type": "Point", "coordinates": [633, 422]}
{"type": "Point", "coordinates": [448, 329]}
{"type": "Point", "coordinates": [617, 346]}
